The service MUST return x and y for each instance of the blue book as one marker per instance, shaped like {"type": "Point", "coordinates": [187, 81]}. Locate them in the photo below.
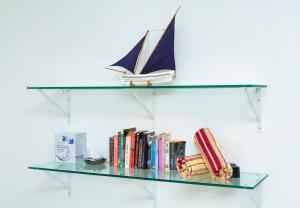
{"type": "Point", "coordinates": [121, 150]}
{"type": "Point", "coordinates": [153, 153]}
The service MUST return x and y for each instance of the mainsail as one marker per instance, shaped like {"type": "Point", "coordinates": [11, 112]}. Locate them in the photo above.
{"type": "Point", "coordinates": [130, 60]}
{"type": "Point", "coordinates": [162, 56]}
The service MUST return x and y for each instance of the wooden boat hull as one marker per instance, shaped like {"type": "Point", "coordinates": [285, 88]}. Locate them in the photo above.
{"type": "Point", "coordinates": [147, 79]}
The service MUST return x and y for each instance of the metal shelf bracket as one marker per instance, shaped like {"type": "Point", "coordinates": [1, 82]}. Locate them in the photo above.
{"type": "Point", "coordinates": [255, 104]}
{"type": "Point", "coordinates": [65, 111]}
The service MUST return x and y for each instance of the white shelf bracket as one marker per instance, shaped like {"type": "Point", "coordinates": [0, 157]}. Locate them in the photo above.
{"type": "Point", "coordinates": [255, 104]}
{"type": "Point", "coordinates": [152, 193]}
{"type": "Point", "coordinates": [255, 196]}
{"type": "Point", "coordinates": [68, 107]}
{"type": "Point", "coordinates": [65, 184]}
{"type": "Point", "coordinates": [142, 104]}
{"type": "Point", "coordinates": [65, 111]}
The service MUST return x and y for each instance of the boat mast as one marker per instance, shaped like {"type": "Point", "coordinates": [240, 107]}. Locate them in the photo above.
{"type": "Point", "coordinates": [161, 37]}
{"type": "Point", "coordinates": [138, 58]}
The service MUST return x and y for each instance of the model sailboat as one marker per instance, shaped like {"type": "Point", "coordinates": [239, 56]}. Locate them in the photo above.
{"type": "Point", "coordinates": [159, 67]}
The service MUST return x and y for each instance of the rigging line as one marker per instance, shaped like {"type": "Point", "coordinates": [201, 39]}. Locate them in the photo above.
{"type": "Point", "coordinates": [160, 39]}
{"type": "Point", "coordinates": [157, 30]}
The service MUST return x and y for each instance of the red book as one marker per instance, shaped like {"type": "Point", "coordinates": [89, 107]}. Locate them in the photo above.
{"type": "Point", "coordinates": [132, 150]}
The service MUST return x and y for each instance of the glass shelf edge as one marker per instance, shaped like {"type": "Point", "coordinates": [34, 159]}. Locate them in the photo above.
{"type": "Point", "coordinates": [146, 87]}
{"type": "Point", "coordinates": [153, 179]}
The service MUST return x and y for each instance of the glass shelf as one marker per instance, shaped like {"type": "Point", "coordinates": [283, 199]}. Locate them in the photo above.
{"type": "Point", "coordinates": [246, 181]}
{"type": "Point", "coordinates": [144, 87]}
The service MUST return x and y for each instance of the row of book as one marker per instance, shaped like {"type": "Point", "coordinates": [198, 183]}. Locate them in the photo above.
{"type": "Point", "coordinates": [144, 149]}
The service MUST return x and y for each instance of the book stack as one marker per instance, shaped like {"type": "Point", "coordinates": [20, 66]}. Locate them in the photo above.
{"type": "Point", "coordinates": [144, 149]}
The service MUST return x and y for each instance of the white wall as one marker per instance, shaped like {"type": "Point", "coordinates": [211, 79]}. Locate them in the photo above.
{"type": "Point", "coordinates": [69, 43]}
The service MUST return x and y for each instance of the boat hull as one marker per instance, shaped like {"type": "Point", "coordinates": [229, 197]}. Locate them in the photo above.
{"type": "Point", "coordinates": [147, 79]}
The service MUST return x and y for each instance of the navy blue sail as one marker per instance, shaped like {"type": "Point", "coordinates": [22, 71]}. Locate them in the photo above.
{"type": "Point", "coordinates": [162, 56]}
{"type": "Point", "coordinates": [130, 60]}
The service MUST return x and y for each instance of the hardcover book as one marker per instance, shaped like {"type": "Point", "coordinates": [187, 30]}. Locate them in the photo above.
{"type": "Point", "coordinates": [116, 151]}
{"type": "Point", "coordinates": [137, 140]}
{"type": "Point", "coordinates": [121, 150]}
{"type": "Point", "coordinates": [132, 149]}
{"type": "Point", "coordinates": [154, 151]}
{"type": "Point", "coordinates": [145, 150]}
{"type": "Point", "coordinates": [111, 150]}
{"type": "Point", "coordinates": [167, 139]}
{"type": "Point", "coordinates": [127, 150]}
{"type": "Point", "coordinates": [177, 149]}
{"type": "Point", "coordinates": [149, 140]}
{"type": "Point", "coordinates": [161, 152]}
{"type": "Point", "coordinates": [126, 132]}
{"type": "Point", "coordinates": [140, 152]}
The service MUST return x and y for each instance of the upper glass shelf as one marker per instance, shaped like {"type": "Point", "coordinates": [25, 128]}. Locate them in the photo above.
{"type": "Point", "coordinates": [246, 181]}
{"type": "Point", "coordinates": [145, 87]}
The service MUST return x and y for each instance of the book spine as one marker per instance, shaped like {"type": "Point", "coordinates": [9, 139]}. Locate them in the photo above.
{"type": "Point", "coordinates": [111, 150]}
{"type": "Point", "coordinates": [167, 155]}
{"type": "Point", "coordinates": [124, 146]}
{"type": "Point", "coordinates": [132, 150]}
{"type": "Point", "coordinates": [161, 152]}
{"type": "Point", "coordinates": [179, 150]}
{"type": "Point", "coordinates": [116, 150]}
{"type": "Point", "coordinates": [136, 155]}
{"type": "Point", "coordinates": [156, 154]}
{"type": "Point", "coordinates": [149, 143]}
{"type": "Point", "coordinates": [140, 152]}
{"type": "Point", "coordinates": [153, 152]}
{"type": "Point", "coordinates": [172, 156]}
{"type": "Point", "coordinates": [127, 151]}
{"type": "Point", "coordinates": [144, 152]}
{"type": "Point", "coordinates": [121, 150]}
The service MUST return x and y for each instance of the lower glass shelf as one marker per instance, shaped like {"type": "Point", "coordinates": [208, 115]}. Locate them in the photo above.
{"type": "Point", "coordinates": [246, 181]}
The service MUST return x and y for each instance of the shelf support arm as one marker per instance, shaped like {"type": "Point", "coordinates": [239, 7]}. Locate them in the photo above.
{"type": "Point", "coordinates": [142, 104]}
{"type": "Point", "coordinates": [152, 193]}
{"type": "Point", "coordinates": [66, 185]}
{"type": "Point", "coordinates": [65, 112]}
{"type": "Point", "coordinates": [255, 104]}
{"type": "Point", "coordinates": [256, 196]}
